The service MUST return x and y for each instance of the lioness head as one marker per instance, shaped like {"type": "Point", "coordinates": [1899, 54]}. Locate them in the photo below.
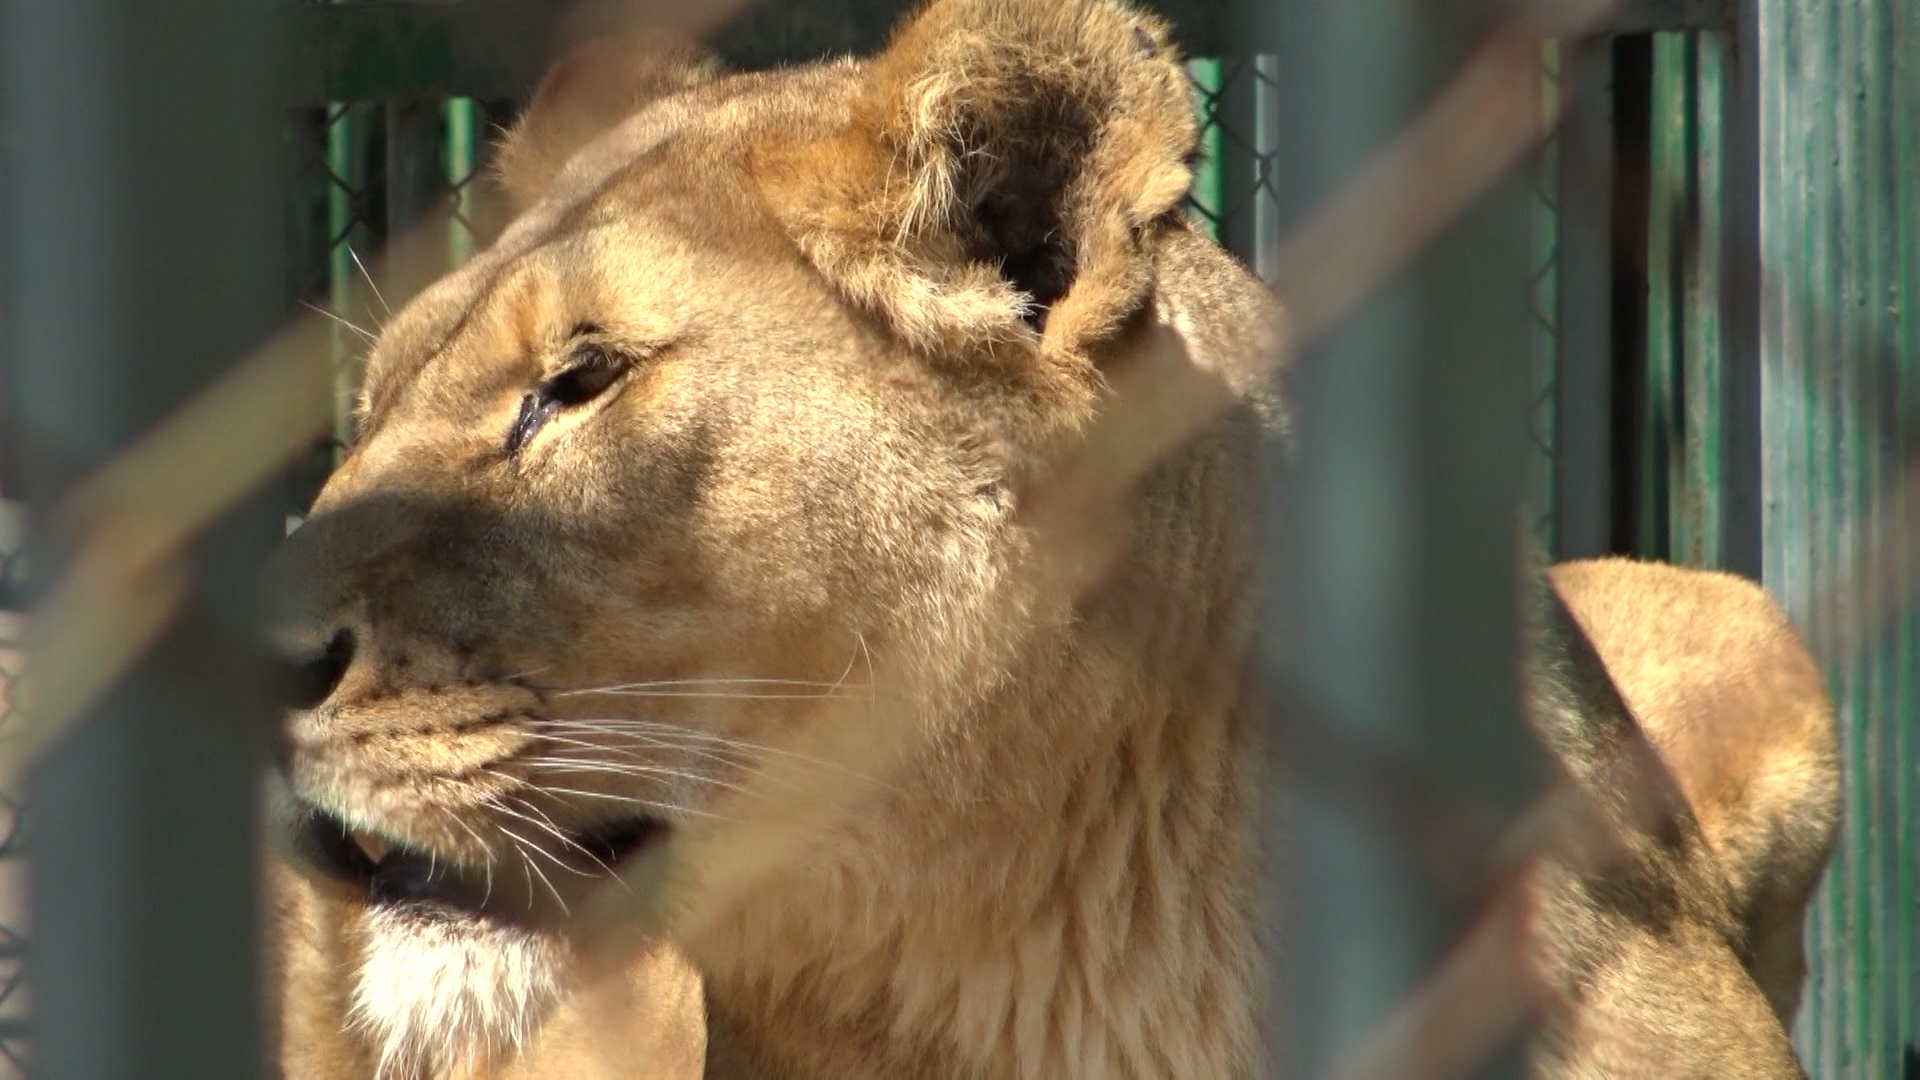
{"type": "Point", "coordinates": [683, 567]}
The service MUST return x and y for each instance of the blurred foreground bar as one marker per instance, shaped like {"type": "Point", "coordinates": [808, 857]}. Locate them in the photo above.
{"type": "Point", "coordinates": [143, 230]}
{"type": "Point", "coordinates": [1396, 687]}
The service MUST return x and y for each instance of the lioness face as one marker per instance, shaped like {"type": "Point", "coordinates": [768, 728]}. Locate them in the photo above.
{"type": "Point", "coordinates": [636, 498]}
{"type": "Point", "coordinates": [687, 506]}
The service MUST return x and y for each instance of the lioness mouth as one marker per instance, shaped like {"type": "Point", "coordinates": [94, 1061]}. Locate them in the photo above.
{"type": "Point", "coordinates": [393, 873]}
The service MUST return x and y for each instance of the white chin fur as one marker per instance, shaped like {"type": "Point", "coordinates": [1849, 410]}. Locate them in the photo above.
{"type": "Point", "coordinates": [434, 994]}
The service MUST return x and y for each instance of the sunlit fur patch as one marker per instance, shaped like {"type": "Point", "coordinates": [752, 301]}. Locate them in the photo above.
{"type": "Point", "coordinates": [437, 995]}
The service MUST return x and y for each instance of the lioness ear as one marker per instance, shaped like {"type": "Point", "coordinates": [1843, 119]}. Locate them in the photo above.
{"type": "Point", "coordinates": [586, 93]}
{"type": "Point", "coordinates": [1005, 161]}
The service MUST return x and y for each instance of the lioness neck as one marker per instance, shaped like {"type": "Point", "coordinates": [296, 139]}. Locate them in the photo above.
{"type": "Point", "coordinates": [1065, 889]}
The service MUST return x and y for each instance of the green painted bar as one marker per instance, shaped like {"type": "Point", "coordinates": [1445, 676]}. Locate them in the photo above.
{"type": "Point", "coordinates": [1208, 197]}
{"type": "Point", "coordinates": [1699, 536]}
{"type": "Point", "coordinates": [1683, 427]}
{"type": "Point", "coordinates": [461, 159]}
{"type": "Point", "coordinates": [1662, 431]}
{"type": "Point", "coordinates": [1840, 242]}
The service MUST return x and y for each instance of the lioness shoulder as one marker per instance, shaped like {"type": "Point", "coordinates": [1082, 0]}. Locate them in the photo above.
{"type": "Point", "coordinates": [1639, 940]}
{"type": "Point", "coordinates": [1739, 710]}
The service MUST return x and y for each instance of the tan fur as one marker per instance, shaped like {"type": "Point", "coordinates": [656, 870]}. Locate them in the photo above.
{"type": "Point", "coordinates": [934, 811]}
{"type": "Point", "coordinates": [1740, 712]}
{"type": "Point", "coordinates": [1637, 936]}
{"type": "Point", "coordinates": [815, 471]}
{"type": "Point", "coordinates": [649, 1022]}
{"type": "Point", "coordinates": [589, 91]}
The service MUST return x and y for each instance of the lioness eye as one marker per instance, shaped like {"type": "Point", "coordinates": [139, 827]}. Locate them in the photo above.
{"type": "Point", "coordinates": [589, 376]}
{"type": "Point", "coordinates": [583, 382]}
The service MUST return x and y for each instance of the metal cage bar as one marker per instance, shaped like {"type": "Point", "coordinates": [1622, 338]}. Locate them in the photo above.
{"type": "Point", "coordinates": [1397, 538]}
{"type": "Point", "coordinates": [1837, 86]}
{"type": "Point", "coordinates": [143, 211]}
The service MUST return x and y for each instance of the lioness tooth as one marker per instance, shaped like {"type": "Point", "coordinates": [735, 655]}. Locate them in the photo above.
{"type": "Point", "coordinates": [375, 848]}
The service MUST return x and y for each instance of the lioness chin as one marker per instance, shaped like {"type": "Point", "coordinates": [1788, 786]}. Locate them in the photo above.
{"type": "Point", "coordinates": [686, 579]}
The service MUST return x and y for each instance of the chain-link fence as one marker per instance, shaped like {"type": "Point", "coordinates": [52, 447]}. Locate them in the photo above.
{"type": "Point", "coordinates": [1543, 289]}
{"type": "Point", "coordinates": [364, 173]}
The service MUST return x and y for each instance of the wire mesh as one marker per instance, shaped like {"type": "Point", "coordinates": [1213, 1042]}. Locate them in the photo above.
{"type": "Point", "coordinates": [368, 171]}
{"type": "Point", "coordinates": [1204, 204]}
{"type": "Point", "coordinates": [1543, 287]}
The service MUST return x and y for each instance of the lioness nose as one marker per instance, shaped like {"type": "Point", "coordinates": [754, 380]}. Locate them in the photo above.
{"type": "Point", "coordinates": [309, 682]}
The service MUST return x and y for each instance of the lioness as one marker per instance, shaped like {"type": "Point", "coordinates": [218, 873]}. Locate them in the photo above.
{"type": "Point", "coordinates": [1738, 708]}
{"type": "Point", "coordinates": [686, 579]}
{"type": "Point", "coordinates": [687, 534]}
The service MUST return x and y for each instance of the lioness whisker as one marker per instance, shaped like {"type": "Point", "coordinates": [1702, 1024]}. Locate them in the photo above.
{"type": "Point", "coordinates": [738, 754]}
{"type": "Point", "coordinates": [740, 760]}
{"type": "Point", "coordinates": [486, 852]}
{"type": "Point", "coordinates": [552, 827]}
{"type": "Point", "coordinates": [860, 641]}
{"type": "Point", "coordinates": [526, 862]}
{"type": "Point", "coordinates": [355, 256]}
{"type": "Point", "coordinates": [634, 801]}
{"type": "Point", "coordinates": [563, 766]}
{"type": "Point", "coordinates": [839, 683]}
{"type": "Point", "coordinates": [541, 850]}
{"type": "Point", "coordinates": [658, 684]}
{"type": "Point", "coordinates": [725, 695]}
{"type": "Point", "coordinates": [660, 739]}
{"type": "Point", "coordinates": [529, 849]}
{"type": "Point", "coordinates": [544, 823]}
{"type": "Point", "coordinates": [637, 728]}
{"type": "Point", "coordinates": [568, 745]}
{"type": "Point", "coordinates": [342, 320]}
{"type": "Point", "coordinates": [628, 725]}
